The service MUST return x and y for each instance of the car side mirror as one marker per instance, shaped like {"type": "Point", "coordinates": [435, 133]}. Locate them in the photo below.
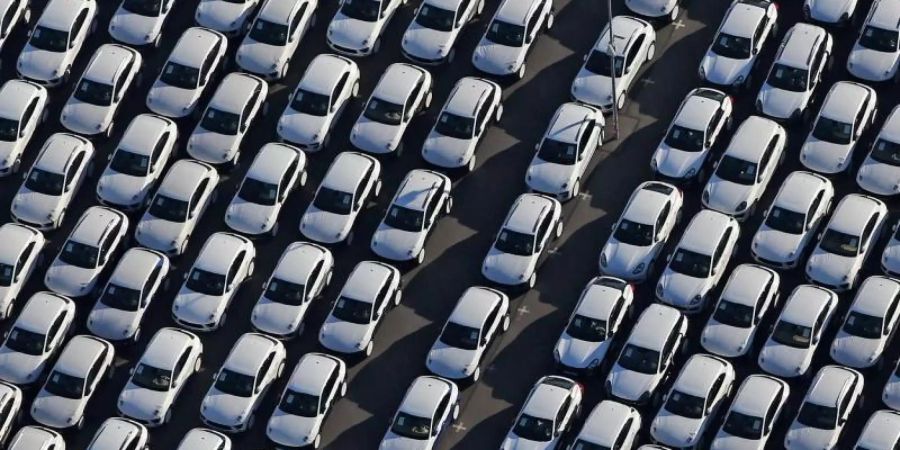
{"type": "Point", "coordinates": [184, 276]}
{"type": "Point", "coordinates": [537, 146]}
{"type": "Point", "coordinates": [754, 51]}
{"type": "Point", "coordinates": [669, 258]}
{"type": "Point", "coordinates": [584, 58]}
{"type": "Point", "coordinates": [243, 127]}
{"type": "Point", "coordinates": [5, 334]}
{"type": "Point", "coordinates": [24, 175]}
{"type": "Point", "coordinates": [131, 371]}
{"type": "Point", "coordinates": [416, 11]}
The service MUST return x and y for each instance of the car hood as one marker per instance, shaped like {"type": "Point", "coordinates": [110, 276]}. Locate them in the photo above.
{"type": "Point", "coordinates": [824, 156]}
{"type": "Point", "coordinates": [212, 147]}
{"type": "Point", "coordinates": [20, 368]}
{"type": "Point", "coordinates": [623, 259]}
{"type": "Point", "coordinates": [276, 318]}
{"type": "Point", "coordinates": [396, 244]}
{"type": "Point", "coordinates": [879, 178]}
{"type": "Point", "coordinates": [630, 385]}
{"type": "Point", "coordinates": [855, 351]}
{"type": "Point", "coordinates": [40, 64]}
{"type": "Point", "coordinates": [725, 340]}
{"type": "Point", "coordinates": [891, 394]}
{"type": "Point", "coordinates": [775, 245]}
{"type": "Point", "coordinates": [300, 127]}
{"type": "Point", "coordinates": [593, 89]}
{"type": "Point", "coordinates": [323, 226]}
{"type": "Point", "coordinates": [375, 137]}
{"type": "Point", "coordinates": [250, 218]}
{"type": "Point", "coordinates": [346, 337]}
{"type": "Point", "coordinates": [446, 151]}
{"type": "Point", "coordinates": [679, 289]}
{"type": "Point", "coordinates": [801, 437]}
{"type": "Point", "coordinates": [780, 103]}
{"type": "Point", "coordinates": [726, 196]}
{"type": "Point", "coordinates": [829, 268]}
{"type": "Point", "coordinates": [782, 361]}
{"type": "Point", "coordinates": [141, 403]}
{"type": "Point", "coordinates": [121, 189]}
{"type": "Point", "coordinates": [33, 207]}
{"type": "Point", "coordinates": [225, 409]}
{"type": "Point", "coordinates": [722, 70]}
{"type": "Point", "coordinates": [69, 280]}
{"type": "Point", "coordinates": [674, 163]}
{"type": "Point", "coordinates": [496, 59]}
{"type": "Point", "coordinates": [829, 10]}
{"type": "Point", "coordinates": [507, 268]}
{"type": "Point", "coordinates": [134, 29]}
{"type": "Point", "coordinates": [112, 323]}
{"type": "Point", "coordinates": [513, 442]}
{"type": "Point", "coordinates": [171, 101]}
{"type": "Point", "coordinates": [197, 308]}
{"type": "Point", "coordinates": [259, 57]}
{"type": "Point", "coordinates": [675, 430]}
{"type": "Point", "coordinates": [579, 354]}
{"type": "Point", "coordinates": [351, 33]}
{"type": "Point", "coordinates": [427, 43]}
{"type": "Point", "coordinates": [871, 65]}
{"type": "Point", "coordinates": [56, 412]}
{"type": "Point", "coordinates": [451, 362]}
{"type": "Point", "coordinates": [545, 176]}
{"type": "Point", "coordinates": [85, 118]}
{"type": "Point", "coordinates": [158, 234]}
{"type": "Point", "coordinates": [291, 430]}
{"type": "Point", "coordinates": [219, 15]}
{"type": "Point", "coordinates": [392, 441]}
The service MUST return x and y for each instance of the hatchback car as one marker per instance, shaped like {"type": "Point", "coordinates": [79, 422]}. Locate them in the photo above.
{"type": "Point", "coordinates": [225, 262]}
{"type": "Point", "coordinates": [362, 303]}
{"type": "Point", "coordinates": [14, 12]}
{"type": "Point", "coordinates": [231, 17]}
{"type": "Point", "coordinates": [35, 337]}
{"type": "Point", "coordinates": [610, 425]}
{"type": "Point", "coordinates": [55, 41]}
{"type": "Point", "coordinates": [882, 431]}
{"type": "Point", "coordinates": [403, 92]}
{"type": "Point", "coordinates": [890, 396]}
{"type": "Point", "coordinates": [204, 439]}
{"type": "Point", "coordinates": [743, 33]}
{"type": "Point", "coordinates": [826, 408]}
{"type": "Point", "coordinates": [432, 34]}
{"type": "Point", "coordinates": [852, 231]}
{"type": "Point", "coordinates": [890, 258]}
{"type": "Point", "coordinates": [429, 406]}
{"type": "Point", "coordinates": [139, 23]}
{"type": "Point", "coordinates": [754, 412]}
{"type": "Point", "coordinates": [177, 206]}
{"type": "Point", "coordinates": [119, 433]}
{"type": "Point", "coordinates": [97, 238]}
{"type": "Point", "coordinates": [879, 173]}
{"type": "Point", "coordinates": [547, 415]}
{"type": "Point", "coordinates": [830, 12]}
{"type": "Point", "coordinates": [274, 37]}
{"type": "Point", "coordinates": [20, 114]}
{"type": "Point", "coordinates": [847, 111]}
{"type": "Point", "coordinates": [869, 325]}
{"type": "Point", "coordinates": [252, 366]}
{"type": "Point", "coordinates": [509, 36]}
{"type": "Point", "coordinates": [875, 54]}
{"type": "Point", "coordinates": [20, 254]}
{"type": "Point", "coordinates": [657, 9]}
{"type": "Point", "coordinates": [422, 198]}
{"type": "Point", "coordinates": [10, 409]}
{"type": "Point", "coordinates": [478, 318]}
{"type": "Point", "coordinates": [789, 349]}
{"type": "Point", "coordinates": [33, 437]}
{"type": "Point", "coordinates": [357, 26]}
{"type": "Point", "coordinates": [53, 181]}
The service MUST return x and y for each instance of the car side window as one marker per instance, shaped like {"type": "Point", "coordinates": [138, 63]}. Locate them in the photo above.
{"type": "Point", "coordinates": [761, 300]}
{"type": "Point", "coordinates": [623, 434]}
{"type": "Point", "coordinates": [27, 115]}
{"type": "Point", "coordinates": [770, 413]}
{"type": "Point", "coordinates": [668, 347]}
{"type": "Point", "coordinates": [53, 331]}
{"type": "Point", "coordinates": [8, 17]}
{"type": "Point", "coordinates": [531, 26]}
{"type": "Point", "coordinates": [661, 220]}
{"type": "Point", "coordinates": [461, 12]}
{"type": "Point", "coordinates": [889, 314]}
{"type": "Point", "coordinates": [236, 266]}
{"type": "Point", "coordinates": [438, 413]}
{"type": "Point", "coordinates": [713, 126]}
{"type": "Point", "coordinates": [4, 413]}
{"type": "Point", "coordinates": [757, 35]}
{"type": "Point", "coordinates": [818, 60]}
{"type": "Point", "coordinates": [384, 6]}
{"type": "Point", "coordinates": [408, 107]}
{"type": "Point", "coordinates": [481, 118]}
{"type": "Point", "coordinates": [585, 138]}
{"type": "Point", "coordinates": [120, 80]}
{"type": "Point", "coordinates": [820, 320]}
{"type": "Point", "coordinates": [198, 194]}
{"type": "Point", "coordinates": [867, 231]}
{"type": "Point", "coordinates": [264, 369]}
{"type": "Point", "coordinates": [26, 253]}
{"type": "Point", "coordinates": [561, 414]}
{"type": "Point", "coordinates": [380, 300]}
{"type": "Point", "coordinates": [633, 52]}
{"type": "Point", "coordinates": [542, 231]}
{"type": "Point", "coordinates": [490, 319]}
{"type": "Point", "coordinates": [148, 285]}
{"type": "Point", "coordinates": [295, 21]}
{"type": "Point", "coordinates": [77, 25]}
{"type": "Point", "coordinates": [845, 401]}
{"type": "Point", "coordinates": [206, 67]}
{"type": "Point", "coordinates": [73, 169]}
{"type": "Point", "coordinates": [158, 149]}
{"type": "Point", "coordinates": [338, 88]}
{"type": "Point", "coordinates": [179, 365]}
{"type": "Point", "coordinates": [132, 445]}
{"type": "Point", "coordinates": [714, 391]}
{"type": "Point", "coordinates": [285, 184]}
{"type": "Point", "coordinates": [92, 375]}
{"type": "Point", "coordinates": [813, 207]}
{"type": "Point", "coordinates": [615, 312]}
{"type": "Point", "coordinates": [245, 114]}
{"type": "Point", "coordinates": [720, 248]}
{"type": "Point", "coordinates": [315, 272]}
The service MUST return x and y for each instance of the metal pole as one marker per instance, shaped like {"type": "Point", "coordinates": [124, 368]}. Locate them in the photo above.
{"type": "Point", "coordinates": [611, 50]}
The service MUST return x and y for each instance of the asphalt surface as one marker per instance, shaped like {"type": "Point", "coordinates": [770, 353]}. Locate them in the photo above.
{"type": "Point", "coordinates": [524, 353]}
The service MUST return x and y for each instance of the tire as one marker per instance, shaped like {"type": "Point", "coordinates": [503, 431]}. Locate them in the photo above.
{"type": "Point", "coordinates": [280, 371]}
{"type": "Point", "coordinates": [576, 189]}
{"type": "Point", "coordinates": [479, 9]}
{"type": "Point", "coordinates": [448, 205]}
{"type": "Point", "coordinates": [184, 245]}
{"type": "Point", "coordinates": [557, 233]}
{"type": "Point", "coordinates": [475, 375]}
{"type": "Point", "coordinates": [420, 258]}
{"type": "Point", "coordinates": [532, 280]}
{"type": "Point", "coordinates": [498, 113]}
{"type": "Point", "coordinates": [455, 414]}
{"type": "Point", "coordinates": [343, 390]}
{"type": "Point", "coordinates": [520, 74]}
{"type": "Point", "coordinates": [377, 189]}
{"type": "Point", "coordinates": [651, 51]}
{"type": "Point", "coordinates": [198, 363]}
{"type": "Point", "coordinates": [8, 312]}
{"type": "Point", "coordinates": [427, 103]}
{"type": "Point", "coordinates": [673, 16]}
{"type": "Point", "coordinates": [251, 421]}
{"type": "Point", "coordinates": [285, 68]}
{"type": "Point", "coordinates": [251, 268]}
{"type": "Point", "coordinates": [620, 103]}
{"type": "Point", "coordinates": [549, 25]}
{"type": "Point", "coordinates": [369, 348]}
{"type": "Point", "coordinates": [399, 295]}
{"type": "Point", "coordinates": [470, 166]}
{"type": "Point", "coordinates": [317, 441]}
{"type": "Point", "coordinates": [355, 91]}
{"type": "Point", "coordinates": [136, 336]}
{"type": "Point", "coordinates": [109, 130]}
{"type": "Point", "coordinates": [155, 43]}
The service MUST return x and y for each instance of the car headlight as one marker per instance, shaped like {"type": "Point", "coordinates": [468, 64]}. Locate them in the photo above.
{"type": "Point", "coordinates": [603, 260]}
{"type": "Point", "coordinates": [739, 79]}
{"type": "Point", "coordinates": [594, 363]}
{"type": "Point", "coordinates": [702, 73]}
{"type": "Point", "coordinates": [741, 206]}
{"type": "Point", "coordinates": [556, 356]}
{"type": "Point", "coordinates": [697, 299]}
{"type": "Point", "coordinates": [705, 196]}
{"type": "Point", "coordinates": [638, 269]}
{"type": "Point", "coordinates": [759, 105]}
{"type": "Point", "coordinates": [659, 290]}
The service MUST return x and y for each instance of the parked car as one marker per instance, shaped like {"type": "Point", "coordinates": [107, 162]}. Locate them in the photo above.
{"type": "Point", "coordinates": [832, 397]}
{"type": "Point", "coordinates": [744, 31]}
{"type": "Point", "coordinates": [429, 406]}
{"type": "Point", "coordinates": [509, 36]}
{"type": "Point", "coordinates": [35, 337]}
{"type": "Point", "coordinates": [546, 416]}
{"type": "Point", "coordinates": [56, 40]}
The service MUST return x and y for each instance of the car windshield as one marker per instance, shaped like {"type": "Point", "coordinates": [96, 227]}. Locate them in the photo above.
{"type": "Point", "coordinates": [152, 378]}
{"type": "Point", "coordinates": [180, 76]}
{"type": "Point", "coordinates": [842, 244]}
{"type": "Point", "coordinates": [734, 314]}
{"type": "Point", "coordinates": [731, 46]}
{"type": "Point", "coordinates": [169, 209]}
{"type": "Point", "coordinates": [685, 405]}
{"type": "Point", "coordinates": [206, 282]}
{"type": "Point", "coordinates": [786, 221]}
{"type": "Point", "coordinates": [64, 385]}
{"type": "Point", "coordinates": [558, 152]}
{"type": "Point", "coordinates": [149, 8]}
{"type": "Point", "coordinates": [736, 170]}
{"type": "Point", "coordinates": [788, 78]}
{"type": "Point", "coordinates": [833, 131]}
{"type": "Point", "coordinates": [690, 263]}
{"type": "Point", "coordinates": [128, 163]}
{"type": "Point", "coordinates": [384, 112]}
{"type": "Point", "coordinates": [685, 139]}
{"type": "Point", "coordinates": [639, 359]}
{"type": "Point", "coordinates": [9, 130]}
{"type": "Point", "coordinates": [598, 62]}
{"type": "Point", "coordinates": [234, 383]}
{"type": "Point", "coordinates": [94, 93]}
{"type": "Point", "coordinates": [587, 329]}
{"type": "Point", "coordinates": [533, 428]}
{"type": "Point", "coordinates": [455, 126]}
{"type": "Point", "coordinates": [743, 426]}
{"type": "Point", "coordinates": [878, 39]}
{"type": "Point", "coordinates": [221, 122]}
{"type": "Point", "coordinates": [119, 297]}
{"type": "Point", "coordinates": [412, 427]}
{"type": "Point", "coordinates": [817, 416]}
{"type": "Point", "coordinates": [634, 233]}
{"type": "Point", "coordinates": [310, 103]}
{"type": "Point", "coordinates": [285, 292]}
{"type": "Point", "coordinates": [259, 192]}
{"type": "Point", "coordinates": [404, 218]}
{"type": "Point", "coordinates": [269, 33]}
{"type": "Point", "coordinates": [503, 33]}
{"type": "Point", "coordinates": [80, 255]}
{"type": "Point", "coordinates": [333, 201]}
{"type": "Point", "coordinates": [435, 18]}
{"type": "Point", "coordinates": [864, 325]}
{"type": "Point", "coordinates": [49, 39]}
{"type": "Point", "coordinates": [299, 404]}
{"type": "Point", "coordinates": [353, 311]}
{"type": "Point", "coordinates": [886, 152]}
{"type": "Point", "coordinates": [460, 336]}
{"type": "Point", "coordinates": [365, 10]}
{"type": "Point", "coordinates": [24, 341]}
{"type": "Point", "coordinates": [48, 183]}
{"type": "Point", "coordinates": [6, 274]}
{"type": "Point", "coordinates": [515, 243]}
{"type": "Point", "coordinates": [797, 336]}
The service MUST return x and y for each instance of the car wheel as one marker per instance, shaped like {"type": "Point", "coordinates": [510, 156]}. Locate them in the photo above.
{"type": "Point", "coordinates": [285, 68]}
{"type": "Point", "coordinates": [167, 417]}
{"type": "Point", "coordinates": [505, 324]}
{"type": "Point", "coordinates": [234, 161]}
{"type": "Point", "coordinates": [251, 268]}
{"type": "Point", "coordinates": [26, 15]}
{"type": "Point", "coordinates": [377, 189]}
{"type": "Point", "coordinates": [576, 189]}
{"type": "Point", "coordinates": [475, 376]}
{"type": "Point", "coordinates": [60, 218]}
{"type": "Point", "coordinates": [427, 103]}
{"type": "Point", "coordinates": [470, 166]}
{"type": "Point", "coordinates": [328, 278]}
{"type": "Point", "coordinates": [498, 113]}
{"type": "Point", "coordinates": [109, 130]}
{"type": "Point", "coordinates": [620, 103]}
{"type": "Point", "coordinates": [479, 9]}
{"type": "Point", "coordinates": [355, 91]}
{"type": "Point", "coordinates": [184, 245]}
{"type": "Point", "coordinates": [8, 311]}
{"type": "Point", "coordinates": [521, 72]}
{"type": "Point", "coordinates": [448, 205]}
{"type": "Point", "coordinates": [532, 280]}
{"type": "Point", "coordinates": [420, 258]}
{"type": "Point", "coordinates": [455, 414]}
{"type": "Point", "coordinates": [280, 371]}
{"type": "Point", "coordinates": [398, 295]}
{"type": "Point", "coordinates": [343, 390]}
{"type": "Point", "coordinates": [651, 51]}
{"type": "Point", "coordinates": [304, 175]}
{"type": "Point", "coordinates": [198, 363]}
{"type": "Point", "coordinates": [317, 441]}
{"type": "Point", "coordinates": [673, 16]}
{"type": "Point", "coordinates": [369, 348]}
{"type": "Point", "coordinates": [559, 230]}
{"type": "Point", "coordinates": [549, 23]}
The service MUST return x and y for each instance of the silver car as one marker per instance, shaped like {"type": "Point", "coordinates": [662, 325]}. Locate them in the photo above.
{"type": "Point", "coordinates": [35, 337]}
{"type": "Point", "coordinates": [20, 254]}
{"type": "Point", "coordinates": [790, 347]}
{"type": "Point", "coordinates": [510, 35]}
{"type": "Point", "coordinates": [869, 325]}
{"type": "Point", "coordinates": [55, 41]}
{"type": "Point", "coordinates": [118, 433]}
{"type": "Point", "coordinates": [743, 33]}
{"type": "Point", "coordinates": [357, 26]}
{"type": "Point", "coordinates": [138, 22]}
{"type": "Point", "coordinates": [231, 17]}
{"type": "Point", "coordinates": [547, 415]}
{"type": "Point", "coordinates": [432, 34]}
{"type": "Point", "coordinates": [274, 37]}
{"type": "Point", "coordinates": [847, 112]}
{"type": "Point", "coordinates": [21, 112]}
{"type": "Point", "coordinates": [402, 93]}
{"type": "Point", "coordinates": [880, 171]}
{"type": "Point", "coordinates": [429, 406]}
{"type": "Point", "coordinates": [875, 55]}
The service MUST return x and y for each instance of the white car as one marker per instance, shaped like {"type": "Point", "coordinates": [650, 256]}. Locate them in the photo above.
{"type": "Point", "coordinates": [547, 415]}
{"type": "Point", "coordinates": [422, 198]}
{"type": "Point", "coordinates": [137, 279]}
{"type": "Point", "coordinates": [319, 100]}
{"type": "Point", "coordinates": [362, 303]}
{"type": "Point", "coordinates": [274, 37]}
{"type": "Point", "coordinates": [218, 136]}
{"type": "Point", "coordinates": [698, 262]}
{"type": "Point", "coordinates": [432, 34]}
{"type": "Point", "coordinates": [204, 439]}
{"type": "Point", "coordinates": [53, 181]}
{"type": "Point", "coordinates": [852, 231]}
{"type": "Point", "coordinates": [791, 222]}
{"type": "Point", "coordinates": [641, 232]}
{"type": "Point", "coordinates": [137, 163]}
{"type": "Point", "coordinates": [731, 58]}
{"type": "Point", "coordinates": [55, 41]}
{"type": "Point", "coordinates": [832, 396]}
{"type": "Point", "coordinates": [231, 17]}
{"type": "Point", "coordinates": [533, 221]}
{"type": "Point", "coordinates": [634, 43]}
{"type": "Point", "coordinates": [21, 112]}
{"type": "Point", "coordinates": [750, 292]}
{"type": "Point", "coordinates": [140, 22]}
{"type": "Point", "coordinates": [647, 356]}
{"type": "Point", "coordinates": [10, 409]}
{"type": "Point", "coordinates": [301, 275]}
{"type": "Point", "coordinates": [869, 325]}
{"type": "Point", "coordinates": [168, 363]}
{"type": "Point", "coordinates": [794, 76]}
{"type": "Point", "coordinates": [97, 238]}
{"type": "Point", "coordinates": [610, 425]}
{"type": "Point", "coordinates": [789, 349]}
{"type": "Point", "coordinates": [276, 171]}
{"type": "Point", "coordinates": [223, 265]}
{"type": "Point", "coordinates": [875, 55]}
{"type": "Point", "coordinates": [177, 206]}
{"type": "Point", "coordinates": [847, 111]}
{"type": "Point", "coordinates": [20, 254]}
{"type": "Point", "coordinates": [701, 388]}
{"type": "Point", "coordinates": [428, 408]}
{"type": "Point", "coordinates": [35, 337]}
{"type": "Point", "coordinates": [192, 66]}
{"type": "Point", "coordinates": [575, 132]}
{"type": "Point", "coordinates": [753, 413]}
{"type": "Point", "coordinates": [879, 173]}
{"type": "Point", "coordinates": [402, 93]}
{"type": "Point", "coordinates": [504, 48]}
{"type": "Point", "coordinates": [468, 112]}
{"type": "Point", "coordinates": [478, 318]}
{"type": "Point", "coordinates": [667, 9]}
{"type": "Point", "coordinates": [831, 12]}
{"type": "Point", "coordinates": [602, 308]}
{"type": "Point", "coordinates": [252, 366]}
{"type": "Point", "coordinates": [744, 171]}
{"type": "Point", "coordinates": [357, 26]}
{"type": "Point", "coordinates": [890, 396]}
{"type": "Point", "coordinates": [684, 153]}
{"type": "Point", "coordinates": [352, 179]}
{"type": "Point", "coordinates": [33, 437]}
{"type": "Point", "coordinates": [882, 431]}
{"type": "Point", "coordinates": [75, 378]}
{"type": "Point", "coordinates": [14, 12]}
{"type": "Point", "coordinates": [317, 382]}
{"type": "Point", "coordinates": [890, 258]}
{"type": "Point", "coordinates": [119, 433]}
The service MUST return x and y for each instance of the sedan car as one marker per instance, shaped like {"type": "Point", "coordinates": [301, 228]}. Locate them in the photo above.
{"type": "Point", "coordinates": [430, 37]}
{"type": "Point", "coordinates": [20, 254]}
{"type": "Point", "coordinates": [869, 325]}
{"type": "Point", "coordinates": [429, 406]}
{"type": "Point", "coordinates": [231, 17]}
{"type": "Point", "coordinates": [503, 49]}
{"type": "Point", "coordinates": [274, 37]}
{"type": "Point", "coordinates": [882, 431]}
{"type": "Point", "coordinates": [754, 412]}
{"type": "Point", "coordinates": [139, 22]}
{"type": "Point", "coordinates": [875, 54]}
{"type": "Point", "coordinates": [120, 433]}
{"type": "Point", "coordinates": [847, 111]}
{"type": "Point", "coordinates": [731, 58]}
{"type": "Point", "coordinates": [35, 337]}
{"type": "Point", "coordinates": [826, 408]}
{"type": "Point", "coordinates": [830, 12]}
{"type": "Point", "coordinates": [20, 114]}
{"type": "Point", "coordinates": [357, 26]}
{"type": "Point", "coordinates": [33, 437]}
{"type": "Point", "coordinates": [402, 93]}
{"type": "Point", "coordinates": [879, 173]}
{"type": "Point", "coordinates": [609, 425]}
{"type": "Point", "coordinates": [56, 40]}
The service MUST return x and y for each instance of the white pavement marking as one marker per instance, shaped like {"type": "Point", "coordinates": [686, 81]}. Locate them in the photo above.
{"type": "Point", "coordinates": [647, 81]}
{"type": "Point", "coordinates": [678, 24]}
{"type": "Point", "coordinates": [523, 310]}
{"type": "Point", "coordinates": [458, 426]}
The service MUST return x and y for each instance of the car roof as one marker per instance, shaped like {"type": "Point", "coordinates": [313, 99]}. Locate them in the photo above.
{"type": "Point", "coordinates": [143, 132]}
{"type": "Point", "coordinates": [219, 250]}
{"type": "Point", "coordinates": [248, 353]}
{"type": "Point", "coordinates": [13, 239]}
{"type": "Point", "coordinates": [107, 63]}
{"type": "Point", "coordinates": [527, 211]}
{"type": "Point", "coordinates": [311, 373]}
{"type": "Point", "coordinates": [183, 178]}
{"type": "Point", "coordinates": [882, 430]}
{"type": "Point", "coordinates": [323, 73]}
{"type": "Point", "coordinates": [799, 190]}
{"type": "Point", "coordinates": [546, 396]}
{"type": "Point", "coordinates": [58, 150]}
{"type": "Point", "coordinates": [272, 162]}
{"type": "Point", "coordinates": [278, 11]}
{"type": "Point", "coordinates": [468, 92]}
{"type": "Point", "coordinates": [599, 297]}
{"type": "Point", "coordinates": [193, 46]}
{"type": "Point", "coordinates": [844, 100]}
{"type": "Point", "coordinates": [79, 355]}
{"type": "Point", "coordinates": [567, 122]}
{"type": "Point", "coordinates": [165, 347]}
{"type": "Point", "coordinates": [646, 202]}
{"type": "Point", "coordinates": [853, 212]}
{"type": "Point", "coordinates": [624, 29]}
{"type": "Point", "coordinates": [198, 438]}
{"type": "Point", "coordinates": [742, 19]}
{"type": "Point", "coordinates": [94, 223]}
{"type": "Point", "coordinates": [756, 394]}
{"type": "Point", "coordinates": [41, 310]}
{"type": "Point", "coordinates": [654, 326]}
{"type": "Point", "coordinates": [875, 295]}
{"type": "Point", "coordinates": [423, 396]}
{"type": "Point", "coordinates": [113, 433]}
{"type": "Point", "coordinates": [473, 306]}
{"type": "Point", "coordinates": [751, 138]}
{"type": "Point", "coordinates": [698, 374]}
{"type": "Point", "coordinates": [365, 280]}
{"type": "Point", "coordinates": [829, 384]}
{"type": "Point", "coordinates": [696, 111]}
{"type": "Point", "coordinates": [799, 43]}
{"type": "Point", "coordinates": [605, 422]}
{"type": "Point", "coordinates": [60, 14]}
{"type": "Point", "coordinates": [514, 11]}
{"type": "Point", "coordinates": [804, 304]}
{"type": "Point", "coordinates": [886, 15]}
{"type": "Point", "coordinates": [397, 82]}
{"type": "Point", "coordinates": [17, 94]}
{"type": "Point", "coordinates": [890, 131]}
{"type": "Point", "coordinates": [234, 92]}
{"type": "Point", "coordinates": [746, 283]}
{"type": "Point", "coordinates": [704, 232]}
{"type": "Point", "coordinates": [347, 170]}
{"type": "Point", "coordinates": [297, 261]}
{"type": "Point", "coordinates": [417, 187]}
{"type": "Point", "coordinates": [33, 437]}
